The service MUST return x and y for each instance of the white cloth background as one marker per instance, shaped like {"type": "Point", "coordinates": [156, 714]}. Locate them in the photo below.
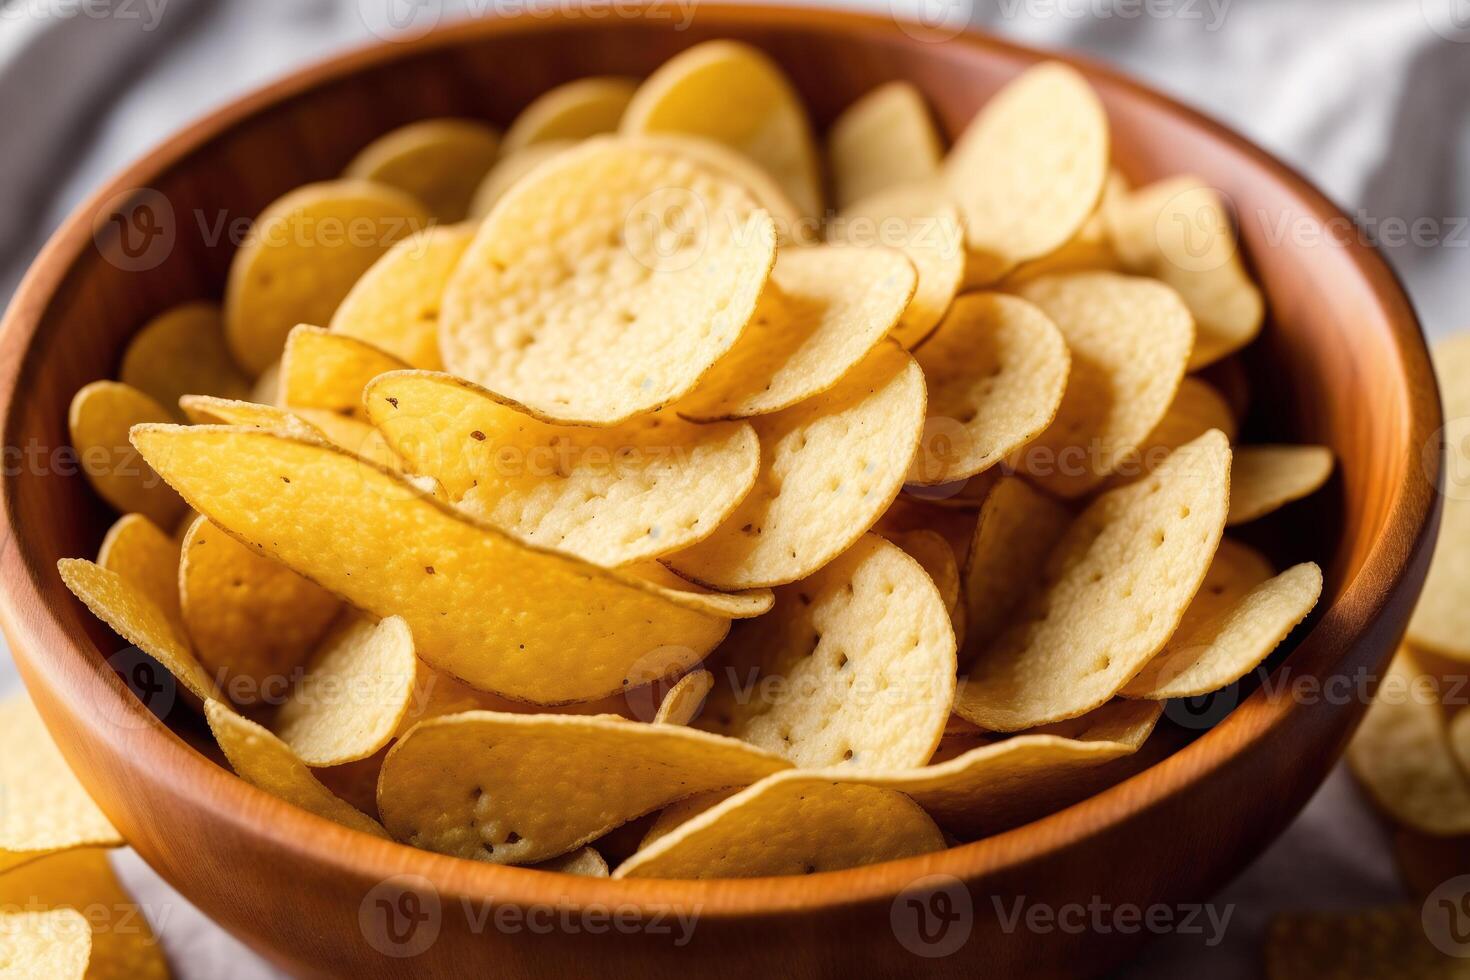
{"type": "Point", "coordinates": [1367, 97]}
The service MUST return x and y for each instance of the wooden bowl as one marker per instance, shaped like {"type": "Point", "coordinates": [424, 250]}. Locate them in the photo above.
{"type": "Point", "coordinates": [1342, 362]}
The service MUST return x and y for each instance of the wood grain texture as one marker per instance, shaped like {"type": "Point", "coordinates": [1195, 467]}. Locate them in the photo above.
{"type": "Point", "coordinates": [1342, 363]}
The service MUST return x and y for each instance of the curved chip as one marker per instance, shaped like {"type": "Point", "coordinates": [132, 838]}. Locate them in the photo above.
{"type": "Point", "coordinates": [137, 550]}
{"type": "Point", "coordinates": [1441, 622]}
{"type": "Point", "coordinates": [792, 227]}
{"type": "Point", "coordinates": [516, 789]}
{"type": "Point", "coordinates": [302, 256]}
{"type": "Point", "coordinates": [56, 944]}
{"type": "Point", "coordinates": [793, 823]}
{"type": "Point", "coordinates": [101, 414]}
{"type": "Point", "coordinates": [1267, 478]}
{"type": "Point", "coordinates": [823, 310]}
{"type": "Point", "coordinates": [508, 172]}
{"type": "Point", "coordinates": [1112, 593]}
{"type": "Point", "coordinates": [584, 862]}
{"type": "Point", "coordinates": [606, 283]}
{"type": "Point", "coordinates": [681, 705]}
{"type": "Point", "coordinates": [450, 578]}
{"type": "Point", "coordinates": [439, 162]}
{"type": "Point", "coordinates": [1130, 340]}
{"type": "Point", "coordinates": [884, 139]}
{"type": "Point", "coordinates": [1090, 249]}
{"type": "Point", "coordinates": [613, 496]}
{"type": "Point", "coordinates": [572, 111]}
{"type": "Point", "coordinates": [1197, 408]}
{"type": "Point", "coordinates": [267, 387]}
{"type": "Point", "coordinates": [996, 371]}
{"type": "Point", "coordinates": [936, 558]}
{"type": "Point", "coordinates": [829, 467]}
{"type": "Point", "coordinates": [183, 352]}
{"type": "Point", "coordinates": [325, 370]}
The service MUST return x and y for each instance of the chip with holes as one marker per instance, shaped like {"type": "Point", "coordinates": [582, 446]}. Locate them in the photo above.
{"type": "Point", "coordinates": [439, 162]}
{"type": "Point", "coordinates": [829, 467]}
{"type": "Point", "coordinates": [137, 550]}
{"type": "Point", "coordinates": [884, 139]}
{"type": "Point", "coordinates": [1197, 408]}
{"type": "Point", "coordinates": [101, 414]}
{"type": "Point", "coordinates": [56, 944]}
{"type": "Point", "coordinates": [325, 370]}
{"type": "Point", "coordinates": [183, 352]}
{"type": "Point", "coordinates": [606, 283]}
{"type": "Point", "coordinates": [1267, 478]}
{"type": "Point", "coordinates": [573, 111]}
{"type": "Point", "coordinates": [792, 227]}
{"type": "Point", "coordinates": [614, 496]}
{"type": "Point", "coordinates": [681, 705]}
{"type": "Point", "coordinates": [516, 789]}
{"type": "Point", "coordinates": [1112, 593]}
{"type": "Point", "coordinates": [937, 558]}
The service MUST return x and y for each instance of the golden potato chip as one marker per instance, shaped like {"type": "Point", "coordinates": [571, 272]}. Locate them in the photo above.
{"type": "Point", "coordinates": [824, 309]}
{"type": "Point", "coordinates": [996, 370]}
{"type": "Point", "coordinates": [682, 703]}
{"type": "Point", "coordinates": [792, 227]}
{"type": "Point", "coordinates": [584, 862]}
{"type": "Point", "coordinates": [613, 496]}
{"type": "Point", "coordinates": [1240, 614]}
{"type": "Point", "coordinates": [183, 352]}
{"type": "Point", "coordinates": [1372, 944]}
{"type": "Point", "coordinates": [1401, 754]}
{"type": "Point", "coordinates": [884, 139]}
{"type": "Point", "coordinates": [731, 93]}
{"type": "Point", "coordinates": [252, 620]}
{"type": "Point", "coordinates": [56, 945]}
{"type": "Point", "coordinates": [955, 524]}
{"type": "Point", "coordinates": [1129, 339]}
{"type": "Point", "coordinates": [1090, 249]}
{"type": "Point", "coordinates": [267, 387]}
{"type": "Point", "coordinates": [1029, 169]}
{"type": "Point", "coordinates": [1113, 591]}
{"type": "Point", "coordinates": [395, 305]}
{"type": "Point", "coordinates": [508, 172]}
{"type": "Point", "coordinates": [829, 467]}
{"type": "Point", "coordinates": [936, 558]}
{"type": "Point", "coordinates": [303, 254]}
{"type": "Point", "coordinates": [607, 283]}
{"type": "Point", "coordinates": [452, 579]}
{"type": "Point", "coordinates": [573, 111]}
{"type": "Point", "coordinates": [327, 370]}
{"type": "Point", "coordinates": [1179, 231]}
{"type": "Point", "coordinates": [100, 416]}
{"type": "Point", "coordinates": [791, 823]}
{"type": "Point", "coordinates": [686, 809]}
{"type": "Point", "coordinates": [268, 763]}
{"type": "Point", "coordinates": [854, 666]}
{"type": "Point", "coordinates": [439, 162]}
{"type": "Point", "coordinates": [136, 549]}
{"type": "Point", "coordinates": [516, 789]}
{"type": "Point", "coordinates": [355, 693]}
{"type": "Point", "coordinates": [732, 605]}
{"type": "Point", "coordinates": [1197, 408]}
{"type": "Point", "coordinates": [353, 435]}
{"type": "Point", "coordinates": [1267, 478]}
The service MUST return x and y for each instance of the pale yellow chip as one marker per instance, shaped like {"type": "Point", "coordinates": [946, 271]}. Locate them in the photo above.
{"type": "Point", "coordinates": [823, 310]}
{"type": "Point", "coordinates": [303, 254]}
{"type": "Point", "coordinates": [606, 283]}
{"type": "Point", "coordinates": [123, 605]}
{"type": "Point", "coordinates": [681, 705]}
{"type": "Point", "coordinates": [885, 139]}
{"type": "Point", "coordinates": [955, 524]}
{"type": "Point", "coordinates": [996, 371]}
{"type": "Point", "coordinates": [1090, 249]}
{"type": "Point", "coordinates": [137, 550]}
{"type": "Point", "coordinates": [1197, 408]}
{"type": "Point", "coordinates": [268, 763]}
{"type": "Point", "coordinates": [613, 496]}
{"type": "Point", "coordinates": [395, 305]}
{"type": "Point", "coordinates": [252, 621]}
{"type": "Point", "coordinates": [1029, 169]}
{"type": "Point", "coordinates": [356, 691]}
{"type": "Point", "coordinates": [1130, 340]}
{"type": "Point", "coordinates": [792, 823]}
{"type": "Point", "coordinates": [508, 172]}
{"type": "Point", "coordinates": [183, 352]}
{"type": "Point", "coordinates": [482, 607]}
{"type": "Point", "coordinates": [516, 789]}
{"type": "Point", "coordinates": [1372, 944]}
{"type": "Point", "coordinates": [829, 467]}
{"type": "Point", "coordinates": [935, 557]}
{"type": "Point", "coordinates": [1112, 593]}
{"type": "Point", "coordinates": [1401, 754]}
{"type": "Point", "coordinates": [439, 162]}
{"type": "Point", "coordinates": [1179, 231]}
{"type": "Point", "coordinates": [55, 945]}
{"type": "Point", "coordinates": [584, 862]}
{"type": "Point", "coordinates": [572, 111]}
{"type": "Point", "coordinates": [325, 370]}
{"type": "Point", "coordinates": [1267, 478]}
{"type": "Point", "coordinates": [731, 93]}
{"type": "Point", "coordinates": [792, 227]}
{"type": "Point", "coordinates": [100, 416]}
{"type": "Point", "coordinates": [1236, 619]}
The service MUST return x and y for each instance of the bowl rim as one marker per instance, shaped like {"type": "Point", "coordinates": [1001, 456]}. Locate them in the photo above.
{"type": "Point", "coordinates": [72, 673]}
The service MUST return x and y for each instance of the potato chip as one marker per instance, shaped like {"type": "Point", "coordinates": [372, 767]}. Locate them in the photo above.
{"type": "Point", "coordinates": [936, 558]}
{"type": "Point", "coordinates": [829, 467]}
{"type": "Point", "coordinates": [395, 305]}
{"type": "Point", "coordinates": [439, 162]}
{"type": "Point", "coordinates": [479, 785]}
{"type": "Point", "coordinates": [183, 352]}
{"type": "Point", "coordinates": [607, 283]}
{"type": "Point", "coordinates": [267, 387]}
{"type": "Point", "coordinates": [1460, 739]}
{"type": "Point", "coordinates": [1129, 339]}
{"type": "Point", "coordinates": [686, 809]}
{"type": "Point", "coordinates": [1197, 408]}
{"type": "Point", "coordinates": [56, 945]}
{"type": "Point", "coordinates": [452, 579]}
{"type": "Point", "coordinates": [1029, 169]}
{"type": "Point", "coordinates": [353, 435]}
{"type": "Point", "coordinates": [303, 254]}
{"type": "Point", "coordinates": [584, 862]}
{"type": "Point", "coordinates": [329, 371]}
{"type": "Point", "coordinates": [268, 763]}
{"type": "Point", "coordinates": [996, 371]}
{"type": "Point", "coordinates": [792, 227]}
{"type": "Point", "coordinates": [1090, 249]}
{"type": "Point", "coordinates": [1113, 591]}
{"type": "Point", "coordinates": [1441, 622]}
{"type": "Point", "coordinates": [508, 172]}
{"type": "Point", "coordinates": [1267, 478]}
{"type": "Point", "coordinates": [613, 496]}
{"type": "Point", "coordinates": [252, 620]}
{"type": "Point", "coordinates": [734, 94]}
{"type": "Point", "coordinates": [884, 139]}
{"type": "Point", "coordinates": [1179, 231]}
{"type": "Point", "coordinates": [908, 513]}
{"type": "Point", "coordinates": [101, 414]}
{"type": "Point", "coordinates": [1372, 944]}
{"type": "Point", "coordinates": [1401, 754]}
{"type": "Point", "coordinates": [355, 693]}
{"type": "Point", "coordinates": [573, 111]}
{"type": "Point", "coordinates": [854, 666]}
{"type": "Point", "coordinates": [137, 550]}
{"type": "Point", "coordinates": [790, 824]}
{"type": "Point", "coordinates": [681, 705]}
{"type": "Point", "coordinates": [824, 309]}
